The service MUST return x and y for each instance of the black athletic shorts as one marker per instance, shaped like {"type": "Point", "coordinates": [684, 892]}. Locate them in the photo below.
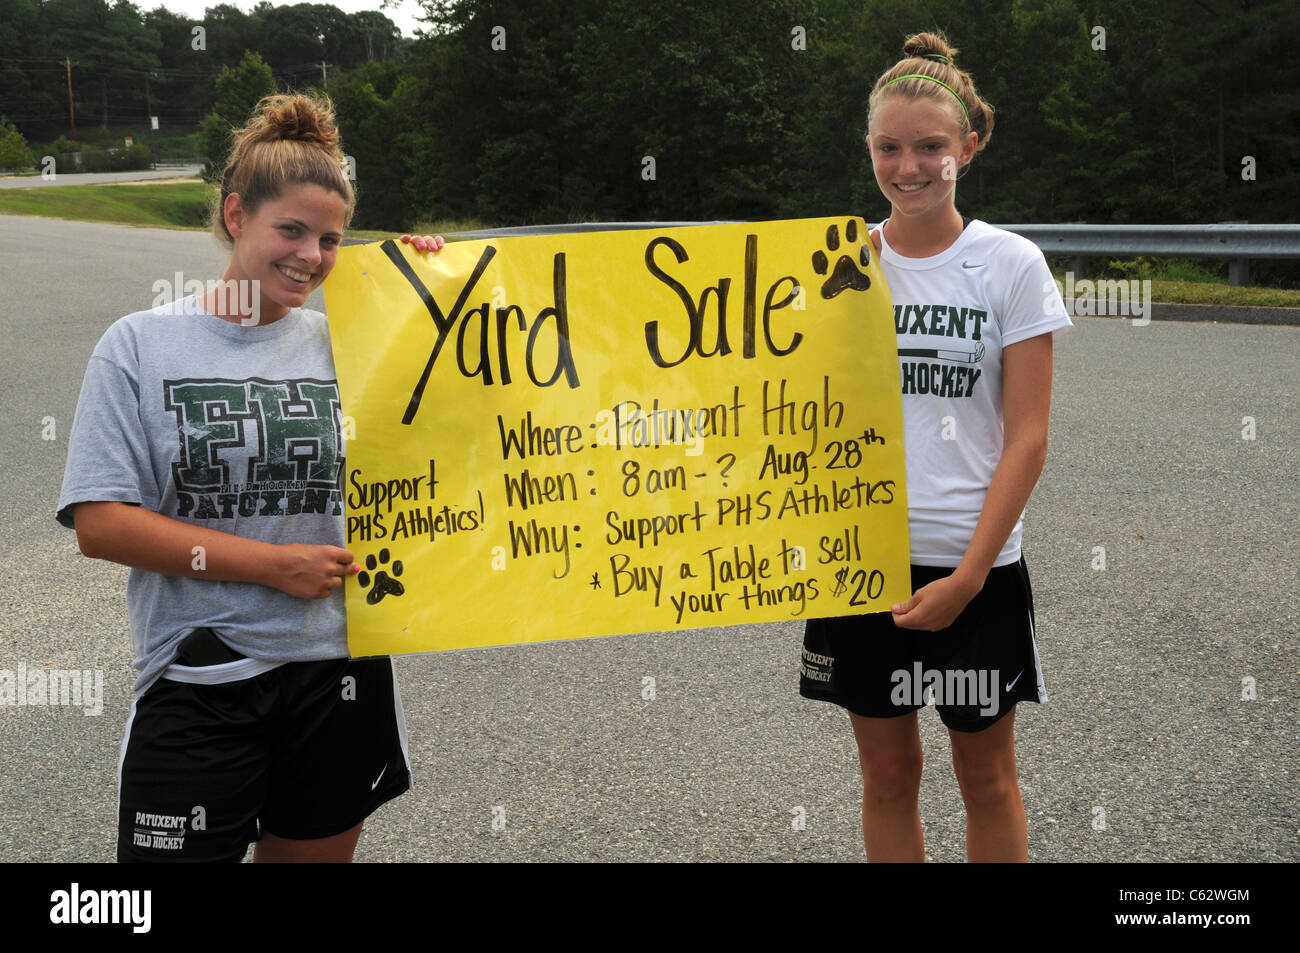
{"type": "Point", "coordinates": [974, 671]}
{"type": "Point", "coordinates": [303, 751]}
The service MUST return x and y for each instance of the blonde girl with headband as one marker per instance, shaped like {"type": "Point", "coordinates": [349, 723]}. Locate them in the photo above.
{"type": "Point", "coordinates": [975, 312]}
{"type": "Point", "coordinates": [206, 454]}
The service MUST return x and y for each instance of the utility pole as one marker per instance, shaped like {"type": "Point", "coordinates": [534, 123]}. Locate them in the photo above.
{"type": "Point", "coordinates": [72, 116]}
{"type": "Point", "coordinates": [323, 80]}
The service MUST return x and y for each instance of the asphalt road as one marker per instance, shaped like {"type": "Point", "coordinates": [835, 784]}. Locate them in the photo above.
{"type": "Point", "coordinates": [98, 178]}
{"type": "Point", "coordinates": [1144, 660]}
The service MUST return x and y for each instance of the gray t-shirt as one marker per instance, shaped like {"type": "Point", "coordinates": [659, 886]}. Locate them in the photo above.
{"type": "Point", "coordinates": [234, 428]}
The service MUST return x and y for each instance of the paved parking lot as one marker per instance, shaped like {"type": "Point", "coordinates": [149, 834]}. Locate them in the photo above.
{"type": "Point", "coordinates": [1146, 751]}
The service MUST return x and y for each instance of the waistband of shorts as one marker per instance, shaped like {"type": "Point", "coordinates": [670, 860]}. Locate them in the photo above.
{"type": "Point", "coordinates": [235, 671]}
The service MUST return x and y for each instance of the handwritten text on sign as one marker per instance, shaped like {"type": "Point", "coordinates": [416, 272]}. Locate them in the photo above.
{"type": "Point", "coordinates": [600, 433]}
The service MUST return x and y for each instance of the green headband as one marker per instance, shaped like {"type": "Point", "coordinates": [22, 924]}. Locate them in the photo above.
{"type": "Point", "coordinates": [933, 80]}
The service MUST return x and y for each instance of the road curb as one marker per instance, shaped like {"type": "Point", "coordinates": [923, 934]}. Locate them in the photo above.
{"type": "Point", "coordinates": [1238, 314]}
{"type": "Point", "coordinates": [1208, 313]}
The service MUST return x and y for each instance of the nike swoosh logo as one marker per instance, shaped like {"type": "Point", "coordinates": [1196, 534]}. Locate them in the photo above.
{"type": "Point", "coordinates": [1012, 684]}
{"type": "Point", "coordinates": [980, 265]}
{"type": "Point", "coordinates": [376, 782]}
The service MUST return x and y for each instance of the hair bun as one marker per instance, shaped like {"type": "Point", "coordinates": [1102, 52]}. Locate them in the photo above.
{"type": "Point", "coordinates": [298, 118]}
{"type": "Point", "coordinates": [929, 46]}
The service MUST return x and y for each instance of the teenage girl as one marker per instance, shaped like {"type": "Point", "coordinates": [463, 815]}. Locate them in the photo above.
{"type": "Point", "coordinates": [975, 309]}
{"type": "Point", "coordinates": [206, 454]}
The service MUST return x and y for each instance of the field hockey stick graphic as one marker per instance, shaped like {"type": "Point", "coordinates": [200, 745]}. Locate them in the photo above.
{"type": "Point", "coordinates": [962, 357]}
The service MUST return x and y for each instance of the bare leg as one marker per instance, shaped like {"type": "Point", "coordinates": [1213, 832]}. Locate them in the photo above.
{"type": "Point", "coordinates": [323, 850]}
{"type": "Point", "coordinates": [985, 764]}
{"type": "Point", "coordinates": [889, 750]}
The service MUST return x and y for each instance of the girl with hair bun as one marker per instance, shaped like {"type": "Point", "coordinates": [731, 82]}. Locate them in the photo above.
{"type": "Point", "coordinates": [975, 311]}
{"type": "Point", "coordinates": [206, 454]}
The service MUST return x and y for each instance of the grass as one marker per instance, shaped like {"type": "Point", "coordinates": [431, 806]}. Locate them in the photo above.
{"type": "Point", "coordinates": [170, 205]}
{"type": "Point", "coordinates": [1199, 292]}
{"type": "Point", "coordinates": [1182, 281]}
{"type": "Point", "coordinates": [173, 205]}
{"type": "Point", "coordinates": [185, 205]}
{"type": "Point", "coordinates": [445, 227]}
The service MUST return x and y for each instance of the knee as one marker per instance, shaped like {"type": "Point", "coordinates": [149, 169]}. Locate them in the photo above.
{"type": "Point", "coordinates": [890, 779]}
{"type": "Point", "coordinates": [987, 786]}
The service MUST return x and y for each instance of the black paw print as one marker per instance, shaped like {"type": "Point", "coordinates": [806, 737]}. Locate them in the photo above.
{"type": "Point", "coordinates": [384, 583]}
{"type": "Point", "coordinates": [846, 274]}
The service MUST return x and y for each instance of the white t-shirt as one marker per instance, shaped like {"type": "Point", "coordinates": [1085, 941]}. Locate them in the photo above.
{"type": "Point", "coordinates": [954, 313]}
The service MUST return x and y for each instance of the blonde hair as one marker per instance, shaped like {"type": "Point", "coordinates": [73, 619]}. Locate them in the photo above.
{"type": "Point", "coordinates": [919, 51]}
{"type": "Point", "coordinates": [290, 140]}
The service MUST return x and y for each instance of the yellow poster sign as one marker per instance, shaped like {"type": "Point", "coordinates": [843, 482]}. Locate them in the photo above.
{"type": "Point", "coordinates": [574, 435]}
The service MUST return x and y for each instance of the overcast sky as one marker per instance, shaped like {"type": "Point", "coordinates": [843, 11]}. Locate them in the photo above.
{"type": "Point", "coordinates": [404, 13]}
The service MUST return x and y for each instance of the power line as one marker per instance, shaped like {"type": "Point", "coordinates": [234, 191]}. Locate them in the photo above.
{"type": "Point", "coordinates": [169, 73]}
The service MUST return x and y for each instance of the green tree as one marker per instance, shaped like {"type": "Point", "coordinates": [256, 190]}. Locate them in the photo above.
{"type": "Point", "coordinates": [499, 125]}
{"type": "Point", "coordinates": [374, 107]}
{"type": "Point", "coordinates": [111, 50]}
{"type": "Point", "coordinates": [1088, 121]}
{"type": "Point", "coordinates": [293, 37]}
{"type": "Point", "coordinates": [556, 110]}
{"type": "Point", "coordinates": [230, 32]}
{"type": "Point", "coordinates": [238, 91]}
{"type": "Point", "coordinates": [847, 44]}
{"type": "Point", "coordinates": [378, 36]}
{"type": "Point", "coordinates": [14, 153]}
{"type": "Point", "coordinates": [29, 88]}
{"type": "Point", "coordinates": [705, 92]}
{"type": "Point", "coordinates": [180, 91]}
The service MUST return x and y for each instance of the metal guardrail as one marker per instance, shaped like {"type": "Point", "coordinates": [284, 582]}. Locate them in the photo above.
{"type": "Point", "coordinates": [1166, 241]}
{"type": "Point", "coordinates": [1236, 241]}
{"type": "Point", "coordinates": [1239, 242]}
{"type": "Point", "coordinates": [520, 230]}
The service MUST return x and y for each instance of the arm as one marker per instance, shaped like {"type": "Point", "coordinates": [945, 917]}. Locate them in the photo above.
{"type": "Point", "coordinates": [1026, 407]}
{"type": "Point", "coordinates": [143, 539]}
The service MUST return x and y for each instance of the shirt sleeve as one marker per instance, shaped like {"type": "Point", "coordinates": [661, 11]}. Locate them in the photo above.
{"type": "Point", "coordinates": [108, 450]}
{"type": "Point", "coordinates": [1033, 304]}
